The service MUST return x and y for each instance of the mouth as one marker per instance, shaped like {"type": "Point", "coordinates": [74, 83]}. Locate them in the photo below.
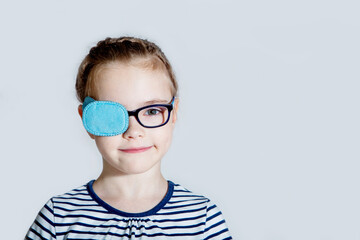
{"type": "Point", "coordinates": [135, 150]}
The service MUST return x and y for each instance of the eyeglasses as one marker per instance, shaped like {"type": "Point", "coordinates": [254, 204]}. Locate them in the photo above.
{"type": "Point", "coordinates": [106, 118]}
{"type": "Point", "coordinates": [153, 116]}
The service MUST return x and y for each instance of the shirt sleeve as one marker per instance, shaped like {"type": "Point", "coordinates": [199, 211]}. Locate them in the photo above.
{"type": "Point", "coordinates": [215, 226]}
{"type": "Point", "coordinates": [43, 227]}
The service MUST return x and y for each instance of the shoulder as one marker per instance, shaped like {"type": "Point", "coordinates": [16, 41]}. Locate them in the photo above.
{"type": "Point", "coordinates": [74, 201]}
{"type": "Point", "coordinates": [202, 209]}
{"type": "Point", "coordinates": [57, 208]}
{"type": "Point", "coordinates": [77, 192]}
{"type": "Point", "coordinates": [185, 194]}
{"type": "Point", "coordinates": [185, 199]}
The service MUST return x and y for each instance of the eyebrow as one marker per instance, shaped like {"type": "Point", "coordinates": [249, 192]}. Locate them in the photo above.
{"type": "Point", "coordinates": [154, 101]}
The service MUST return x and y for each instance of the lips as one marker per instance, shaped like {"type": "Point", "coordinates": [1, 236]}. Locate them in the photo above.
{"type": "Point", "coordinates": [135, 150]}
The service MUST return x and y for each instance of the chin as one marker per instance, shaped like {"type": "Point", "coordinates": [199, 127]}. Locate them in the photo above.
{"type": "Point", "coordinates": [139, 166]}
{"type": "Point", "coordinates": [132, 163]}
{"type": "Point", "coordinates": [137, 169]}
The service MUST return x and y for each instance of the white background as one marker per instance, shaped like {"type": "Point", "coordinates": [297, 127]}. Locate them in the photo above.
{"type": "Point", "coordinates": [269, 115]}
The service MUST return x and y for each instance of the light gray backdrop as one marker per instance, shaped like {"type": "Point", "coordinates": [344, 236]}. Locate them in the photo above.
{"type": "Point", "coordinates": [269, 115]}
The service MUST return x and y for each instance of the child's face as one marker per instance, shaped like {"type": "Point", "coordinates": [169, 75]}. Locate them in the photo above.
{"type": "Point", "coordinates": [138, 149]}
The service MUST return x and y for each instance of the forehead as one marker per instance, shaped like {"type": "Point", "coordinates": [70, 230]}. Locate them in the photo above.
{"type": "Point", "coordinates": [131, 85]}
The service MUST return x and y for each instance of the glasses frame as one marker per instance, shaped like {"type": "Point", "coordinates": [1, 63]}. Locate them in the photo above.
{"type": "Point", "coordinates": [135, 113]}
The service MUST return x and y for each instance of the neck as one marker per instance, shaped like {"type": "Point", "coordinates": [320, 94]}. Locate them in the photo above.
{"type": "Point", "coordinates": [113, 184]}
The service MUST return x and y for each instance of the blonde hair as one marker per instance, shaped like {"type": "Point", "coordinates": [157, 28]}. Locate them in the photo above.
{"type": "Point", "coordinates": [126, 50]}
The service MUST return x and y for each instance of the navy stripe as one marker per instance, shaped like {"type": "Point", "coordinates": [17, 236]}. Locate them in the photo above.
{"type": "Point", "coordinates": [75, 223]}
{"type": "Point", "coordinates": [181, 206]}
{"type": "Point", "coordinates": [182, 190]}
{"type": "Point", "coordinates": [186, 200]}
{"type": "Point", "coordinates": [213, 216]}
{"type": "Point", "coordinates": [126, 220]}
{"type": "Point", "coordinates": [77, 205]}
{"type": "Point", "coordinates": [133, 227]}
{"type": "Point", "coordinates": [214, 225]}
{"type": "Point", "coordinates": [76, 194]}
{"type": "Point", "coordinates": [37, 234]}
{"type": "Point", "coordinates": [184, 211]}
{"type": "Point", "coordinates": [99, 219]}
{"type": "Point", "coordinates": [46, 219]}
{"type": "Point", "coordinates": [44, 228]}
{"type": "Point", "coordinates": [180, 219]}
{"type": "Point", "coordinates": [85, 216]}
{"type": "Point", "coordinates": [212, 207]}
{"type": "Point", "coordinates": [217, 234]}
{"type": "Point", "coordinates": [138, 235]}
{"type": "Point", "coordinates": [81, 209]}
{"type": "Point", "coordinates": [82, 188]}
{"type": "Point", "coordinates": [189, 196]}
{"type": "Point", "coordinates": [49, 209]}
{"type": "Point", "coordinates": [117, 226]}
{"type": "Point", "coordinates": [74, 198]}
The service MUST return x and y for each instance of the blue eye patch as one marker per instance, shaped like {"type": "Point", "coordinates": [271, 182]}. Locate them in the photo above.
{"type": "Point", "coordinates": [104, 118]}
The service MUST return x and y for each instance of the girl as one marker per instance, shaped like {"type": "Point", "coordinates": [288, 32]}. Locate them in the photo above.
{"type": "Point", "coordinates": [129, 107]}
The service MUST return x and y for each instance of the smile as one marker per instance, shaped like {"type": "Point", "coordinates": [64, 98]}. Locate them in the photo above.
{"type": "Point", "coordinates": [135, 150]}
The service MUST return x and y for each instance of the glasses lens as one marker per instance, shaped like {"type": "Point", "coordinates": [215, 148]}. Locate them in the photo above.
{"type": "Point", "coordinates": [153, 116]}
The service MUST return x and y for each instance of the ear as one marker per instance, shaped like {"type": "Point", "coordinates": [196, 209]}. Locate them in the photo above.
{"type": "Point", "coordinates": [80, 111]}
{"type": "Point", "coordinates": [175, 110]}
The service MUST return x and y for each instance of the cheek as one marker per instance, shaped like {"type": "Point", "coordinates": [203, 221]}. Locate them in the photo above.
{"type": "Point", "coordinates": [104, 144]}
{"type": "Point", "coordinates": [164, 137]}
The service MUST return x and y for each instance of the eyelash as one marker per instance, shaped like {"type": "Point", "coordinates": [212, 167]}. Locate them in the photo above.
{"type": "Point", "coordinates": [150, 111]}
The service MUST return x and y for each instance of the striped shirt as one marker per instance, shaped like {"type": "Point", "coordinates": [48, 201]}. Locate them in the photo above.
{"type": "Point", "coordinates": [81, 214]}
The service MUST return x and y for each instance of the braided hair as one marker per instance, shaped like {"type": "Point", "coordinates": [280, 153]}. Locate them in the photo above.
{"type": "Point", "coordinates": [125, 50]}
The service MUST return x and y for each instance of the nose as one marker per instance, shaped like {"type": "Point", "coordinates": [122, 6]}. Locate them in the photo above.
{"type": "Point", "coordinates": [135, 130]}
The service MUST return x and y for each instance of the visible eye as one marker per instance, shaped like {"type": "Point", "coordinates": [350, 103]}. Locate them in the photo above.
{"type": "Point", "coordinates": [153, 111]}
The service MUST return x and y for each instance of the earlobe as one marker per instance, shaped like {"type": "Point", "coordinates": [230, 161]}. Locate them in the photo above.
{"type": "Point", "coordinates": [92, 136]}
